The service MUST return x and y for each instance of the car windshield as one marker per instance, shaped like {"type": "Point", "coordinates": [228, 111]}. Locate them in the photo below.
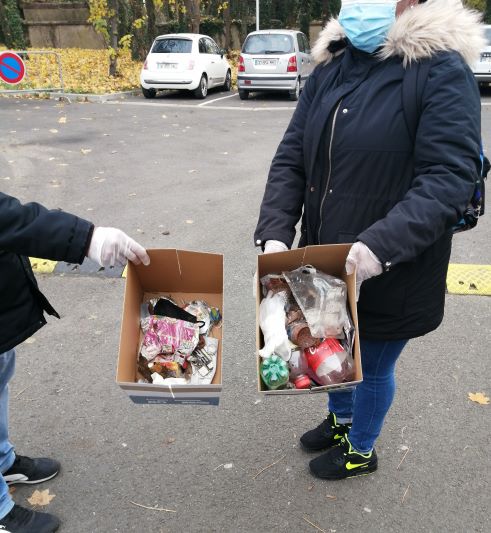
{"type": "Point", "coordinates": [487, 33]}
{"type": "Point", "coordinates": [268, 43]}
{"type": "Point", "coordinates": [172, 46]}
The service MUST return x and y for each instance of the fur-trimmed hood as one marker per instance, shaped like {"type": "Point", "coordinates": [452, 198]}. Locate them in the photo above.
{"type": "Point", "coordinates": [421, 32]}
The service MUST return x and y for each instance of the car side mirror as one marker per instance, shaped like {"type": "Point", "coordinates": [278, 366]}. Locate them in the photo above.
{"type": "Point", "coordinates": [223, 52]}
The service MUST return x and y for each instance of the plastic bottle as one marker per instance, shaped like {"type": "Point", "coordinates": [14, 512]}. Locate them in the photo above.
{"type": "Point", "coordinates": [330, 362]}
{"type": "Point", "coordinates": [302, 381]}
{"type": "Point", "coordinates": [274, 372]}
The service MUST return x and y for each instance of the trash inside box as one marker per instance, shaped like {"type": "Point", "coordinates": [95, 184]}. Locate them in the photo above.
{"type": "Point", "coordinates": [171, 342]}
{"type": "Point", "coordinates": [285, 280]}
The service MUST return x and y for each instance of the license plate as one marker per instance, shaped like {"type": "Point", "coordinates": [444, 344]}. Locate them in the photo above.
{"type": "Point", "coordinates": [486, 57]}
{"type": "Point", "coordinates": [265, 62]}
{"type": "Point", "coordinates": [167, 66]}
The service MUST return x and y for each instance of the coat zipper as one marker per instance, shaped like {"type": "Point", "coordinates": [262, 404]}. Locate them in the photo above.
{"type": "Point", "coordinates": [330, 169]}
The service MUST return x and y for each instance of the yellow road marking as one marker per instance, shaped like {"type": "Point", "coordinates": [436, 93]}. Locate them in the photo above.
{"type": "Point", "coordinates": [469, 279]}
{"type": "Point", "coordinates": [42, 266]}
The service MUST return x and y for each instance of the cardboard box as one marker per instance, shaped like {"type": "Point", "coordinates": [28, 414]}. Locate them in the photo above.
{"type": "Point", "coordinates": [330, 259]}
{"type": "Point", "coordinates": [185, 276]}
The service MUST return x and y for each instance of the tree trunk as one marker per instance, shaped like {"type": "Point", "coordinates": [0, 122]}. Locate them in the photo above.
{"type": "Point", "coordinates": [138, 43]}
{"type": "Point", "coordinates": [228, 27]}
{"type": "Point", "coordinates": [113, 35]}
{"type": "Point", "coordinates": [193, 14]}
{"type": "Point", "coordinates": [151, 26]}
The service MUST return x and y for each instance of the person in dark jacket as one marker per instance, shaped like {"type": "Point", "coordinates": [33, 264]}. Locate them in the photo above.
{"type": "Point", "coordinates": [32, 230]}
{"type": "Point", "coordinates": [349, 166]}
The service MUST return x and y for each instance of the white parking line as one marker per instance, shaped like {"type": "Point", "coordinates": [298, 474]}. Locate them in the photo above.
{"type": "Point", "coordinates": [217, 99]}
{"type": "Point", "coordinates": [190, 106]}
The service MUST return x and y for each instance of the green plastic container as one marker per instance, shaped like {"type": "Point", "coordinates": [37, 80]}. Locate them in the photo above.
{"type": "Point", "coordinates": [274, 372]}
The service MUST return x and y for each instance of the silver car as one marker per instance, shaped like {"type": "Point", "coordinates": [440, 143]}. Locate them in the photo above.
{"type": "Point", "coordinates": [274, 60]}
{"type": "Point", "coordinates": [482, 69]}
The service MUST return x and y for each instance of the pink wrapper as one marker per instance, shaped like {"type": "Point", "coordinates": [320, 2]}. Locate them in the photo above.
{"type": "Point", "coordinates": [164, 335]}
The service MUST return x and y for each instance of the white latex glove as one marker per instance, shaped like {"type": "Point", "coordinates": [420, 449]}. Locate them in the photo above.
{"type": "Point", "coordinates": [270, 247]}
{"type": "Point", "coordinates": [366, 263]}
{"type": "Point", "coordinates": [111, 246]}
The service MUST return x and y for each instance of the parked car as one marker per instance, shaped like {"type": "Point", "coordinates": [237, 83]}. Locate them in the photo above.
{"type": "Point", "coordinates": [185, 61]}
{"type": "Point", "coordinates": [274, 60]}
{"type": "Point", "coordinates": [482, 69]}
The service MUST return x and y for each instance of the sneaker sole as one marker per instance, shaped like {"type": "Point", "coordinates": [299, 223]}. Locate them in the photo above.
{"type": "Point", "coordinates": [16, 479]}
{"type": "Point", "coordinates": [356, 473]}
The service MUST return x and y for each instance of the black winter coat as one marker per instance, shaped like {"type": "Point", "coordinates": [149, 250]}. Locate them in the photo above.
{"type": "Point", "coordinates": [348, 162]}
{"type": "Point", "coordinates": [32, 230]}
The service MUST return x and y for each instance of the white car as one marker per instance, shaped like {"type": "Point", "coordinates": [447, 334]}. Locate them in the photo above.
{"type": "Point", "coordinates": [185, 61]}
{"type": "Point", "coordinates": [482, 69]}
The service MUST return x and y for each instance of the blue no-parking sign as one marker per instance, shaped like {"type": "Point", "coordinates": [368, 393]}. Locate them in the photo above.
{"type": "Point", "coordinates": [12, 68]}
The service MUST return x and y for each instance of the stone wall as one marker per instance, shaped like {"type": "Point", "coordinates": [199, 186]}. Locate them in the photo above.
{"type": "Point", "coordinates": [60, 25]}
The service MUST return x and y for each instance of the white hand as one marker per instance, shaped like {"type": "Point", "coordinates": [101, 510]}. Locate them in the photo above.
{"type": "Point", "coordinates": [111, 246]}
{"type": "Point", "coordinates": [366, 263]}
{"type": "Point", "coordinates": [271, 247]}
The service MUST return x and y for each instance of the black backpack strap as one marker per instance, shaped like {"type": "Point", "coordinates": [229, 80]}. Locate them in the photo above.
{"type": "Point", "coordinates": [413, 85]}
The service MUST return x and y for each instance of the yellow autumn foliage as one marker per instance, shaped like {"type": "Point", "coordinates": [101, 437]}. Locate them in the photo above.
{"type": "Point", "coordinates": [86, 71]}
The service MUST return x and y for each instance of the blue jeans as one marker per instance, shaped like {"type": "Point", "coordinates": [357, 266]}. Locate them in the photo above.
{"type": "Point", "coordinates": [7, 455]}
{"type": "Point", "coordinates": [367, 405]}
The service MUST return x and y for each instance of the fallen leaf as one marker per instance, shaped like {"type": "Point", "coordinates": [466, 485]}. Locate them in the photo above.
{"type": "Point", "coordinates": [85, 151]}
{"type": "Point", "coordinates": [40, 497]}
{"type": "Point", "coordinates": [62, 120]}
{"type": "Point", "coordinates": [479, 398]}
{"type": "Point", "coordinates": [53, 130]}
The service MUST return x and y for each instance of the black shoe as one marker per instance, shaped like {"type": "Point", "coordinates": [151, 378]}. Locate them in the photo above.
{"type": "Point", "coordinates": [31, 471]}
{"type": "Point", "coordinates": [326, 435]}
{"type": "Point", "coordinates": [343, 461]}
{"type": "Point", "coordinates": [21, 520]}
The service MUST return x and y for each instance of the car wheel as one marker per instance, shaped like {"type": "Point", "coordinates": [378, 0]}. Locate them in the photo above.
{"type": "Point", "coordinates": [149, 93]}
{"type": "Point", "coordinates": [202, 90]}
{"type": "Point", "coordinates": [243, 95]}
{"type": "Point", "coordinates": [295, 94]}
{"type": "Point", "coordinates": [228, 81]}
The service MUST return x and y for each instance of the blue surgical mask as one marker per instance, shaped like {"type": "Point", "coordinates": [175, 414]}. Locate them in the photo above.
{"type": "Point", "coordinates": [367, 22]}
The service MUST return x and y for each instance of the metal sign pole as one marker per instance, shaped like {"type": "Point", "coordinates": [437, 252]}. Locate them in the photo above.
{"type": "Point", "coordinates": [257, 15]}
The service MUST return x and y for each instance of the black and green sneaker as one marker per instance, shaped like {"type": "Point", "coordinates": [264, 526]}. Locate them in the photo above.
{"type": "Point", "coordinates": [343, 461]}
{"type": "Point", "coordinates": [326, 435]}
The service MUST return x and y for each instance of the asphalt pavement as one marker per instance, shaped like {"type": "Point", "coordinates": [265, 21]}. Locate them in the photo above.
{"type": "Point", "coordinates": [173, 172]}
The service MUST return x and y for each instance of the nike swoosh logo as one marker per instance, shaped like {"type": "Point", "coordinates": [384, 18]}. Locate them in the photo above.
{"type": "Point", "coordinates": [351, 466]}
{"type": "Point", "coordinates": [337, 437]}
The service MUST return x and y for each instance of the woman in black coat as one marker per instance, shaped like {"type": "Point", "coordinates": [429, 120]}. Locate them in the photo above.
{"type": "Point", "coordinates": [351, 166]}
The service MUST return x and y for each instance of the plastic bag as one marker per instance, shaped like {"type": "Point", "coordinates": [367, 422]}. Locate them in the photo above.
{"type": "Point", "coordinates": [322, 299]}
{"type": "Point", "coordinates": [272, 319]}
